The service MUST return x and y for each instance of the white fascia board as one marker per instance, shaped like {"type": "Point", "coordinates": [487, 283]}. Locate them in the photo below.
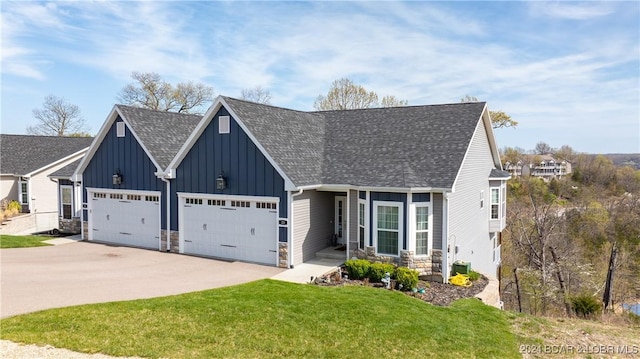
{"type": "Point", "coordinates": [330, 188]}
{"type": "Point", "coordinates": [195, 135]}
{"type": "Point", "coordinates": [64, 159]}
{"type": "Point", "coordinates": [106, 125]}
{"type": "Point", "coordinates": [499, 178]}
{"type": "Point", "coordinates": [488, 125]}
{"type": "Point", "coordinates": [206, 119]}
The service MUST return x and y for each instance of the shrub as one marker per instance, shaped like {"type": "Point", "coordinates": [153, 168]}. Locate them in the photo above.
{"type": "Point", "coordinates": [407, 277]}
{"type": "Point", "coordinates": [14, 206]}
{"type": "Point", "coordinates": [585, 305]}
{"type": "Point", "coordinates": [357, 268]}
{"type": "Point", "coordinates": [474, 276]}
{"type": "Point", "coordinates": [378, 270]}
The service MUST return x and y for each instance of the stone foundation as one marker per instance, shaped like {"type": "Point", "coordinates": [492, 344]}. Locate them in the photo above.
{"type": "Point", "coordinates": [430, 266]}
{"type": "Point", "coordinates": [71, 226]}
{"type": "Point", "coordinates": [85, 230]}
{"type": "Point", "coordinates": [283, 255]}
{"type": "Point", "coordinates": [175, 241]}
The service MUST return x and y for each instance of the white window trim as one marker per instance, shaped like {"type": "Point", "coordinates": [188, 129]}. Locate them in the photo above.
{"type": "Point", "coordinates": [70, 187]}
{"type": "Point", "coordinates": [374, 224]}
{"type": "Point", "coordinates": [224, 124]}
{"type": "Point", "coordinates": [20, 192]}
{"type": "Point", "coordinates": [365, 220]}
{"type": "Point", "coordinates": [414, 225]}
{"type": "Point", "coordinates": [491, 203]}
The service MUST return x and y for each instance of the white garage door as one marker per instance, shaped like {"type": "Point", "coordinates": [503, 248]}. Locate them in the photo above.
{"type": "Point", "coordinates": [129, 218]}
{"type": "Point", "coordinates": [240, 228]}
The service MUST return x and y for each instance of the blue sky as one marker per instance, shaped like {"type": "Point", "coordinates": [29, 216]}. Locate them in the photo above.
{"type": "Point", "coordinates": [568, 71]}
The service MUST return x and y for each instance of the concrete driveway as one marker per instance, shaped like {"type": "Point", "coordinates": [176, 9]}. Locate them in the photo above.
{"type": "Point", "coordinates": [76, 273]}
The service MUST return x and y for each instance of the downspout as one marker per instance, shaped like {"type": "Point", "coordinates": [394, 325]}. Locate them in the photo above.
{"type": "Point", "coordinates": [168, 221]}
{"type": "Point", "coordinates": [290, 234]}
{"type": "Point", "coordinates": [446, 247]}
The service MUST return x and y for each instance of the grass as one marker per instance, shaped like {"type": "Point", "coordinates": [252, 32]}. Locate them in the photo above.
{"type": "Point", "coordinates": [7, 241]}
{"type": "Point", "coordinates": [269, 319]}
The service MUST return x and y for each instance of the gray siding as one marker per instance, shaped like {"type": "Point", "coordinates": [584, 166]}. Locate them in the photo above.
{"type": "Point", "coordinates": [247, 170]}
{"type": "Point", "coordinates": [468, 223]}
{"type": "Point", "coordinates": [437, 220]}
{"type": "Point", "coordinates": [123, 154]}
{"type": "Point", "coordinates": [313, 216]}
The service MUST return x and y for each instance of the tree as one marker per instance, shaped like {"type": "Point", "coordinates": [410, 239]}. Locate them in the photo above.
{"type": "Point", "coordinates": [392, 101]}
{"type": "Point", "coordinates": [542, 148]}
{"type": "Point", "coordinates": [499, 119]}
{"type": "Point", "coordinates": [150, 91]}
{"type": "Point", "coordinates": [345, 95]}
{"type": "Point", "coordinates": [257, 94]}
{"type": "Point", "coordinates": [57, 117]}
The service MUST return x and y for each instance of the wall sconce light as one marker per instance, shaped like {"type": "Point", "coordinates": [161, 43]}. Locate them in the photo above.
{"type": "Point", "coordinates": [221, 182]}
{"type": "Point", "coordinates": [117, 178]}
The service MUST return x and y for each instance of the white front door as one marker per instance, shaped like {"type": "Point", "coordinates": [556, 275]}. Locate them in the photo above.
{"type": "Point", "coordinates": [341, 219]}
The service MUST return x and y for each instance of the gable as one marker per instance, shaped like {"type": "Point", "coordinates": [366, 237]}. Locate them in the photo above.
{"type": "Point", "coordinates": [124, 155]}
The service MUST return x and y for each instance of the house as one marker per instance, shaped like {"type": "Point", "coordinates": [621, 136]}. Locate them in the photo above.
{"type": "Point", "coordinates": [26, 163]}
{"type": "Point", "coordinates": [420, 186]}
{"type": "Point", "coordinates": [541, 166]}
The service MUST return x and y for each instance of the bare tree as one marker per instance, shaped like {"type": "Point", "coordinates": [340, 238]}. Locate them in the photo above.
{"type": "Point", "coordinates": [57, 117]}
{"type": "Point", "coordinates": [257, 94]}
{"type": "Point", "coordinates": [392, 101]}
{"type": "Point", "coordinates": [345, 95]}
{"type": "Point", "coordinates": [499, 119]}
{"type": "Point", "coordinates": [150, 91]}
{"type": "Point", "coordinates": [542, 148]}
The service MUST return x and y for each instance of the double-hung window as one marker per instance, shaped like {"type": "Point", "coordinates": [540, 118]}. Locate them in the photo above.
{"type": "Point", "coordinates": [24, 192]}
{"type": "Point", "coordinates": [362, 227]}
{"type": "Point", "coordinates": [422, 230]}
{"type": "Point", "coordinates": [66, 208]}
{"type": "Point", "coordinates": [495, 202]}
{"type": "Point", "coordinates": [388, 232]}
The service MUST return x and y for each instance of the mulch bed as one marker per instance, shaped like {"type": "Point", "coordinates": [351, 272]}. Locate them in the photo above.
{"type": "Point", "coordinates": [436, 293]}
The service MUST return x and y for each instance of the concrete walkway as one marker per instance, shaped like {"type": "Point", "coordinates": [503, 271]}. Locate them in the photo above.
{"type": "Point", "coordinates": [302, 273]}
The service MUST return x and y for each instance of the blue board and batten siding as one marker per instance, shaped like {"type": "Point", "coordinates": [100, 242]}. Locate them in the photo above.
{"type": "Point", "coordinates": [246, 169]}
{"type": "Point", "coordinates": [126, 156]}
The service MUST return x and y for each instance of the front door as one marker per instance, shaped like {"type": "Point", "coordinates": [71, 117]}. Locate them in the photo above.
{"type": "Point", "coordinates": [341, 219]}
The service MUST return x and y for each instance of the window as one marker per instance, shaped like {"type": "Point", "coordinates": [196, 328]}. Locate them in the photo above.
{"type": "Point", "coordinates": [495, 203]}
{"type": "Point", "coordinates": [422, 230]}
{"type": "Point", "coordinates": [24, 192]}
{"type": "Point", "coordinates": [223, 124]}
{"type": "Point", "coordinates": [66, 202]}
{"type": "Point", "coordinates": [120, 129]}
{"type": "Point", "coordinates": [362, 228]}
{"type": "Point", "coordinates": [388, 231]}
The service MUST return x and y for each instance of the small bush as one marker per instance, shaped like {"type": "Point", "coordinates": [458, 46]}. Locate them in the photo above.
{"type": "Point", "coordinates": [14, 205]}
{"type": "Point", "coordinates": [474, 276]}
{"type": "Point", "coordinates": [357, 268]}
{"type": "Point", "coordinates": [407, 277]}
{"type": "Point", "coordinates": [378, 270]}
{"type": "Point", "coordinates": [585, 305]}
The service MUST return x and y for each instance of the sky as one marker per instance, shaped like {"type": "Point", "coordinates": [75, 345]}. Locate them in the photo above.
{"type": "Point", "coordinates": [567, 71]}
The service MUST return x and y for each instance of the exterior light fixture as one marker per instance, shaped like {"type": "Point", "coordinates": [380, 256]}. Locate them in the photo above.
{"type": "Point", "coordinates": [221, 182]}
{"type": "Point", "coordinates": [117, 178]}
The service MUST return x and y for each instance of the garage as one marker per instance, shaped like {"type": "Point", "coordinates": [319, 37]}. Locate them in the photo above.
{"type": "Point", "coordinates": [231, 227]}
{"type": "Point", "coordinates": [130, 218]}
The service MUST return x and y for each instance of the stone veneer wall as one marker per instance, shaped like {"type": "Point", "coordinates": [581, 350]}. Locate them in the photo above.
{"type": "Point", "coordinates": [283, 255]}
{"type": "Point", "coordinates": [85, 230]}
{"type": "Point", "coordinates": [430, 266]}
{"type": "Point", "coordinates": [69, 225]}
{"type": "Point", "coordinates": [175, 241]}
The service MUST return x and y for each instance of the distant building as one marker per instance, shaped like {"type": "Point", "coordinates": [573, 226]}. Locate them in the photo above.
{"type": "Point", "coordinates": [543, 166]}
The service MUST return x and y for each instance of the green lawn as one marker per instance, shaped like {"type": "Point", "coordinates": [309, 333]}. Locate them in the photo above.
{"type": "Point", "coordinates": [7, 241]}
{"type": "Point", "coordinates": [273, 319]}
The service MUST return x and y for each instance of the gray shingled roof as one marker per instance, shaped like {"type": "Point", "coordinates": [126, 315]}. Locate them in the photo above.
{"type": "Point", "coordinates": [413, 146]}
{"type": "Point", "coordinates": [294, 139]}
{"type": "Point", "coordinates": [498, 173]}
{"type": "Point", "coordinates": [66, 171]}
{"type": "Point", "coordinates": [162, 133]}
{"type": "Point", "coordinates": [23, 154]}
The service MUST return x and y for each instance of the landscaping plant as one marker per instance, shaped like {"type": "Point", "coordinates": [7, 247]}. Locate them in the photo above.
{"type": "Point", "coordinates": [357, 268]}
{"type": "Point", "coordinates": [406, 277]}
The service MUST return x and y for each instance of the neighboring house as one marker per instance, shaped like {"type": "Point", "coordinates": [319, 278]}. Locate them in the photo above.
{"type": "Point", "coordinates": [421, 186]}
{"type": "Point", "coordinates": [542, 166]}
{"type": "Point", "coordinates": [26, 163]}
{"type": "Point", "coordinates": [69, 199]}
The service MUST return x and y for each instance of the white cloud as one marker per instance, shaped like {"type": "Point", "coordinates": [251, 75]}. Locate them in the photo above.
{"type": "Point", "coordinates": [571, 10]}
